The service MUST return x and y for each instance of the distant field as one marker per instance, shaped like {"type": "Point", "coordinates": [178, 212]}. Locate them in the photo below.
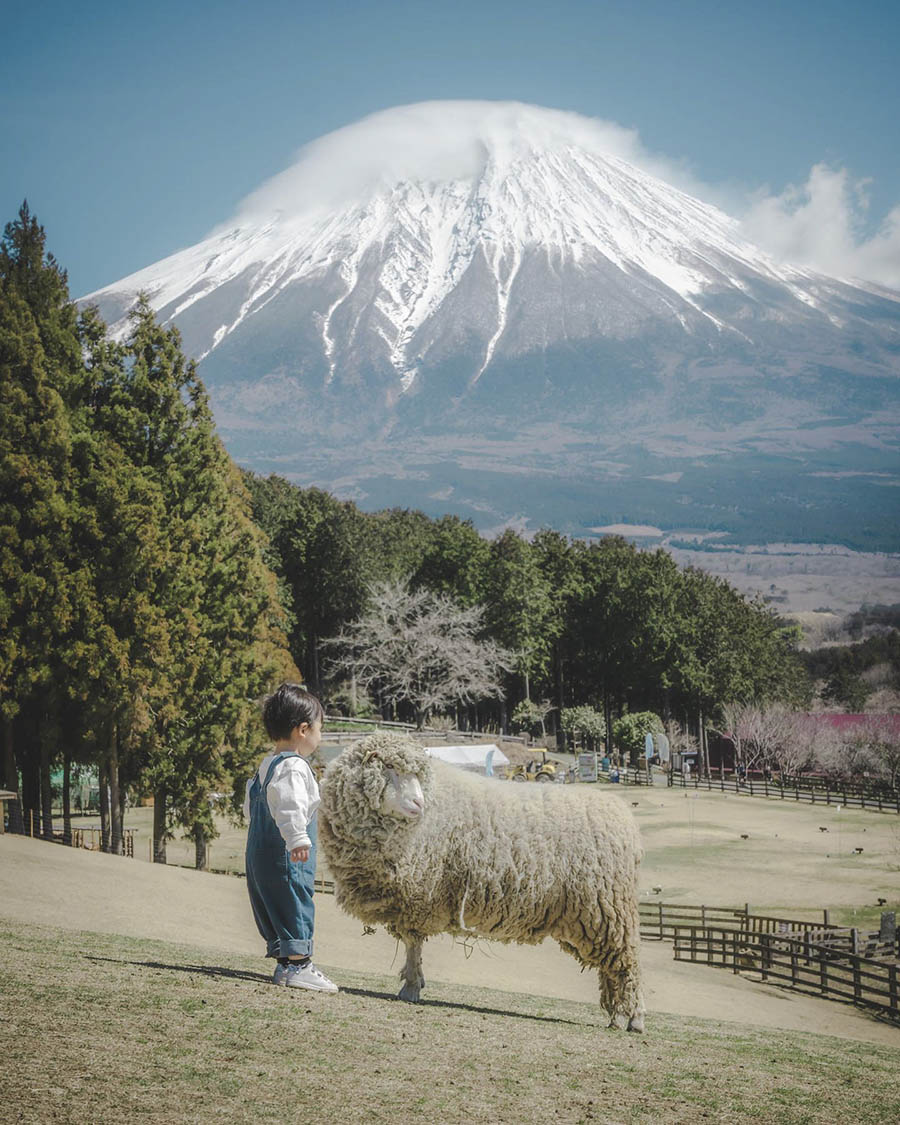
{"type": "Point", "coordinates": [696, 853]}
{"type": "Point", "coordinates": [100, 1028]}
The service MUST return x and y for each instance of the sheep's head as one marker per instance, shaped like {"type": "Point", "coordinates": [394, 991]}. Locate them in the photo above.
{"type": "Point", "coordinates": [376, 786]}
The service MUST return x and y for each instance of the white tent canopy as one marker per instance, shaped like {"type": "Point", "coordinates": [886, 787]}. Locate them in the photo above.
{"type": "Point", "coordinates": [470, 757]}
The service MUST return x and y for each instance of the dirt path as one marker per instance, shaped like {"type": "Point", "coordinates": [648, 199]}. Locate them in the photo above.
{"type": "Point", "coordinates": [52, 885]}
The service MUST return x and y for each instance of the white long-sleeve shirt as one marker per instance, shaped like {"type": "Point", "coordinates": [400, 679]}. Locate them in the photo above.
{"type": "Point", "coordinates": [292, 797]}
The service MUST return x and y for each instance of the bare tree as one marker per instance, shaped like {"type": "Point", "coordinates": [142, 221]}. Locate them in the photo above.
{"type": "Point", "coordinates": [681, 741]}
{"type": "Point", "coordinates": [847, 755]}
{"type": "Point", "coordinates": [760, 733]}
{"type": "Point", "coordinates": [800, 746]}
{"type": "Point", "coordinates": [877, 738]}
{"type": "Point", "coordinates": [420, 648]}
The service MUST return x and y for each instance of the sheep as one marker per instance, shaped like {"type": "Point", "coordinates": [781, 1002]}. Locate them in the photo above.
{"type": "Point", "coordinates": [423, 849]}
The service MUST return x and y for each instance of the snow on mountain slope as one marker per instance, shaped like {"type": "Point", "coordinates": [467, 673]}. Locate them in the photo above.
{"type": "Point", "coordinates": [521, 181]}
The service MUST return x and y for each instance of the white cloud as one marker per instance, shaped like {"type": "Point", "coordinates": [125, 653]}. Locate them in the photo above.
{"type": "Point", "coordinates": [437, 141]}
{"type": "Point", "coordinates": [820, 224]}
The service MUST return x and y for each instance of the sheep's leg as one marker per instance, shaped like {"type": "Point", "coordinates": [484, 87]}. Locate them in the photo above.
{"type": "Point", "coordinates": [615, 956]}
{"type": "Point", "coordinates": [411, 974]}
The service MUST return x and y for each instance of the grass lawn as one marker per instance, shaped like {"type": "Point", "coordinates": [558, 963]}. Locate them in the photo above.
{"type": "Point", "coordinates": [97, 1028]}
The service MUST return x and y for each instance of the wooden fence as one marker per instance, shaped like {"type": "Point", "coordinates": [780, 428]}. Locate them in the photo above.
{"type": "Point", "coordinates": [794, 791]}
{"type": "Point", "coordinates": [796, 962]}
{"type": "Point", "coordinates": [838, 962]}
{"type": "Point", "coordinates": [92, 839]}
{"type": "Point", "coordinates": [660, 920]}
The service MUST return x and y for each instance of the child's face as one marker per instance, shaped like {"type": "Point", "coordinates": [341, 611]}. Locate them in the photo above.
{"type": "Point", "coordinates": [306, 737]}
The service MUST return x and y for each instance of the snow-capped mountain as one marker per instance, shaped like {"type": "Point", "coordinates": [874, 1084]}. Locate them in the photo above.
{"type": "Point", "coordinates": [492, 281]}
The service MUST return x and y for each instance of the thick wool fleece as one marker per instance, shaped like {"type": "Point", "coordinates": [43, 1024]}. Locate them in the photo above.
{"type": "Point", "coordinates": [514, 863]}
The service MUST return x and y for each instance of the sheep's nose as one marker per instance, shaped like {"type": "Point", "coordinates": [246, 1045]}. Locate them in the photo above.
{"type": "Point", "coordinates": [417, 805]}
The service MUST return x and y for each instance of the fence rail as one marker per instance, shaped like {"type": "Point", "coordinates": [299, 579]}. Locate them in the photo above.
{"type": "Point", "coordinates": [793, 791]}
{"type": "Point", "coordinates": [660, 920]}
{"type": "Point", "coordinates": [799, 963]}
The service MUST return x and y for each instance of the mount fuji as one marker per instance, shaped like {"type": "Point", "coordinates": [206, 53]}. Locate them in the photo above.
{"type": "Point", "coordinates": [508, 312]}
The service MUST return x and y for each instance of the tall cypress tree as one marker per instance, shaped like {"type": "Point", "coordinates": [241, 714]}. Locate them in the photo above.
{"type": "Point", "coordinates": [211, 602]}
{"type": "Point", "coordinates": [40, 373]}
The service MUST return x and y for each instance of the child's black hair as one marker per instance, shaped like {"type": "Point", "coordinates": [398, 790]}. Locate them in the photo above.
{"type": "Point", "coordinates": [287, 707]}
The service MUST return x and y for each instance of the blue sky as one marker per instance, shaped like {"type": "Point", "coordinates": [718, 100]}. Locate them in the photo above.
{"type": "Point", "coordinates": [133, 130]}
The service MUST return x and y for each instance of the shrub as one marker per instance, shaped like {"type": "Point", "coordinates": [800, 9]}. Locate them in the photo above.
{"type": "Point", "coordinates": [630, 731]}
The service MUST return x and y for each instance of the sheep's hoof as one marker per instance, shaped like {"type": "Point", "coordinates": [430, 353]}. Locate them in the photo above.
{"type": "Point", "coordinates": [636, 1023]}
{"type": "Point", "coordinates": [617, 1023]}
{"type": "Point", "coordinates": [410, 993]}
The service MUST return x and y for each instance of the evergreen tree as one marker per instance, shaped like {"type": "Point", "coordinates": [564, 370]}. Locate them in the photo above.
{"type": "Point", "coordinates": [40, 373]}
{"type": "Point", "coordinates": [520, 611]}
{"type": "Point", "coordinates": [184, 721]}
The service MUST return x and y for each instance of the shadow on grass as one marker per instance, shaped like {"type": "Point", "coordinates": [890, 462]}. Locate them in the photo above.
{"type": "Point", "coordinates": [214, 971]}
{"type": "Point", "coordinates": [218, 972]}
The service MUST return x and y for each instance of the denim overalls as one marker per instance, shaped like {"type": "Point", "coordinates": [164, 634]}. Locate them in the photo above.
{"type": "Point", "coordinates": [281, 892]}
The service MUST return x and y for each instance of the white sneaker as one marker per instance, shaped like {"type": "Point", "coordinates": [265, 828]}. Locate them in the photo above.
{"type": "Point", "coordinates": [280, 974]}
{"type": "Point", "coordinates": [306, 976]}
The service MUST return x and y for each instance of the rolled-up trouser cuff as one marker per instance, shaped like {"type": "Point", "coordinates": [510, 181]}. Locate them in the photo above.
{"type": "Point", "coordinates": [295, 947]}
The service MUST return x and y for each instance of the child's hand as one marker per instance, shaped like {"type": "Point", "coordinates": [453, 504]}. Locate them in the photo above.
{"type": "Point", "coordinates": [300, 855]}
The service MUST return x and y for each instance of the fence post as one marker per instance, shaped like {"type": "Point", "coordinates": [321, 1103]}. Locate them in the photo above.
{"type": "Point", "coordinates": [660, 906]}
{"type": "Point", "coordinates": [892, 988]}
{"type": "Point", "coordinates": [857, 980]}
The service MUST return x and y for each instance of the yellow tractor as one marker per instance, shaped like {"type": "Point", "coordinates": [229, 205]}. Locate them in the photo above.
{"type": "Point", "coordinates": [538, 769]}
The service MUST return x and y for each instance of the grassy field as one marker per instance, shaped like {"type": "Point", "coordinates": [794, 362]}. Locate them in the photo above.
{"type": "Point", "coordinates": [713, 848]}
{"type": "Point", "coordinates": [97, 1028]}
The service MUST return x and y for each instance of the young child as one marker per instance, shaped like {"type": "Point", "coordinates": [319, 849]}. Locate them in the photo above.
{"type": "Point", "coordinates": [281, 802]}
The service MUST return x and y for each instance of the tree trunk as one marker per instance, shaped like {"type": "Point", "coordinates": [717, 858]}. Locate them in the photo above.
{"type": "Point", "coordinates": [560, 680]}
{"type": "Point", "coordinates": [11, 778]}
{"type": "Point", "coordinates": [704, 748]}
{"type": "Point", "coordinates": [104, 805]}
{"type": "Point", "coordinates": [354, 707]}
{"type": "Point", "coordinates": [527, 687]}
{"type": "Point", "coordinates": [314, 653]}
{"type": "Point", "coordinates": [46, 795]}
{"type": "Point", "coordinates": [67, 798]}
{"type": "Point", "coordinates": [159, 826]}
{"type": "Point", "coordinates": [607, 719]}
{"type": "Point", "coordinates": [117, 837]}
{"type": "Point", "coordinates": [200, 848]}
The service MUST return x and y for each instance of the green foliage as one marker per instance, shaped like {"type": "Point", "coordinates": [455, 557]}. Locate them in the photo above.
{"type": "Point", "coordinates": [527, 714]}
{"type": "Point", "coordinates": [584, 721]}
{"type": "Point", "coordinates": [631, 730]}
{"type": "Point", "coordinates": [139, 620]}
{"type": "Point", "coordinates": [847, 688]}
{"type": "Point", "coordinates": [520, 608]}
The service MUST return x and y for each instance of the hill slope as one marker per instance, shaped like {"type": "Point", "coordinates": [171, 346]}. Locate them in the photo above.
{"type": "Point", "coordinates": [41, 883]}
